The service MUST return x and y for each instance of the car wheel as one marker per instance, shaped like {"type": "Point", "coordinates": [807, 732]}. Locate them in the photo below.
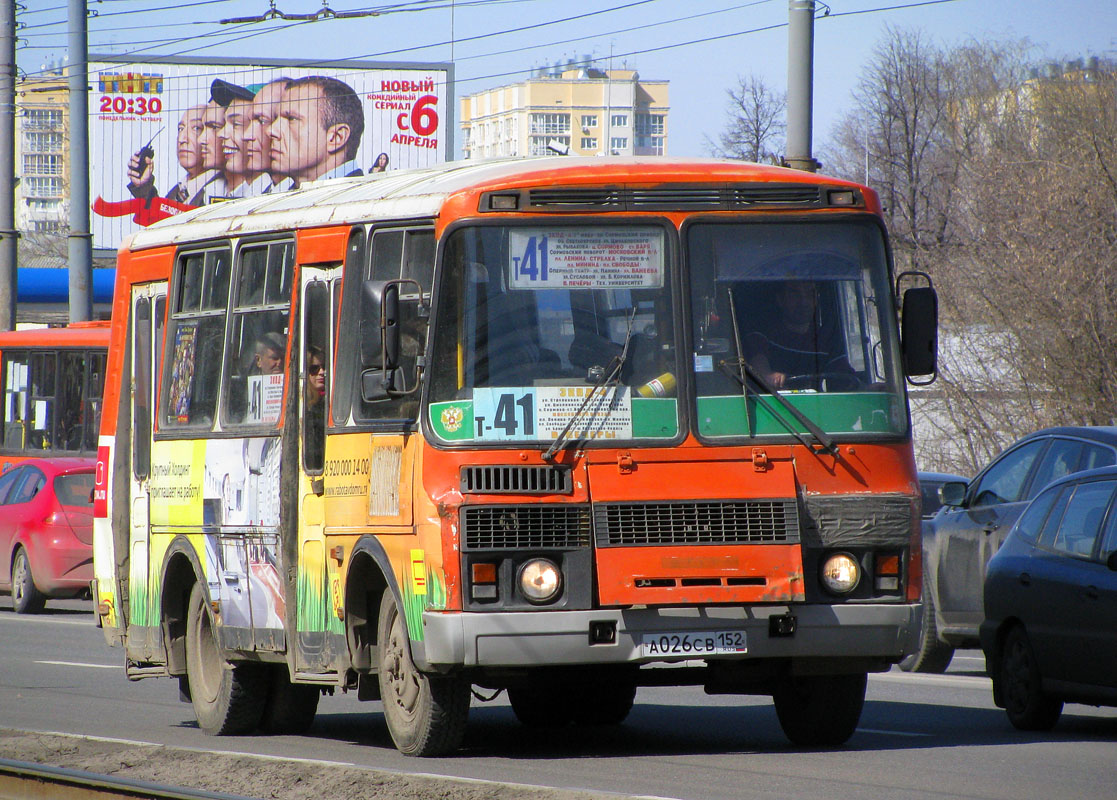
{"type": "Point", "coordinates": [1028, 708]}
{"type": "Point", "coordinates": [820, 710]}
{"type": "Point", "coordinates": [426, 714]}
{"type": "Point", "coordinates": [227, 699]}
{"type": "Point", "coordinates": [26, 599]}
{"type": "Point", "coordinates": [933, 655]}
{"type": "Point", "coordinates": [291, 707]}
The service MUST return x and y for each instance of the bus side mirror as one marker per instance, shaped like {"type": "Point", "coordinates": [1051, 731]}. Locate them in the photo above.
{"type": "Point", "coordinates": [379, 337]}
{"type": "Point", "coordinates": [919, 331]}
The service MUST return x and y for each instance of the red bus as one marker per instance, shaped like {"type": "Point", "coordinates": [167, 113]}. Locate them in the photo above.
{"type": "Point", "coordinates": [53, 380]}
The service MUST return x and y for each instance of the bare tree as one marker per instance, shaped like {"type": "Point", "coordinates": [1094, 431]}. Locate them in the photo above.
{"type": "Point", "coordinates": [756, 123]}
{"type": "Point", "coordinates": [1003, 187]}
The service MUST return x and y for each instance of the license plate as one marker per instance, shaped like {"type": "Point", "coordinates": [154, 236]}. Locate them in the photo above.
{"type": "Point", "coordinates": [694, 644]}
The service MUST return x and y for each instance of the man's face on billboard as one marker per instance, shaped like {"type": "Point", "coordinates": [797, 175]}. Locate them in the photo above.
{"type": "Point", "coordinates": [298, 143]}
{"type": "Point", "coordinates": [189, 139]}
{"type": "Point", "coordinates": [238, 114]}
{"type": "Point", "coordinates": [210, 145]}
{"type": "Point", "coordinates": [257, 143]}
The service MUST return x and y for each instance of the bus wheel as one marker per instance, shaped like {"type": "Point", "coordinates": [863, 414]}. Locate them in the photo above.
{"type": "Point", "coordinates": [425, 713]}
{"type": "Point", "coordinates": [538, 704]}
{"type": "Point", "coordinates": [227, 699]}
{"type": "Point", "coordinates": [291, 707]}
{"type": "Point", "coordinates": [820, 710]}
{"type": "Point", "coordinates": [26, 599]}
{"type": "Point", "coordinates": [604, 703]}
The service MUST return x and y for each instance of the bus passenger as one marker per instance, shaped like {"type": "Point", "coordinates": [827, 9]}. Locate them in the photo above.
{"type": "Point", "coordinates": [315, 402]}
{"type": "Point", "coordinates": [269, 353]}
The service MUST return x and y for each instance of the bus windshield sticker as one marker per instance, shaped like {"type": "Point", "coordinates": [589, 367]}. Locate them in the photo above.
{"type": "Point", "coordinates": [265, 399]}
{"type": "Point", "coordinates": [542, 412]}
{"type": "Point", "coordinates": [585, 258]}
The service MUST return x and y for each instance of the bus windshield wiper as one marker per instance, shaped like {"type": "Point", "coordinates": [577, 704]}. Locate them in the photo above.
{"type": "Point", "coordinates": [745, 372]}
{"type": "Point", "coordinates": [609, 377]}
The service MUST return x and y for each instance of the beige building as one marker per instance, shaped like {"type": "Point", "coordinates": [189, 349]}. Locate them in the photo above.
{"type": "Point", "coordinates": [42, 113]}
{"type": "Point", "coordinates": [568, 109]}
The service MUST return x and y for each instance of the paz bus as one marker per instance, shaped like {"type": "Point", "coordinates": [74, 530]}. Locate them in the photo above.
{"type": "Point", "coordinates": [499, 425]}
{"type": "Point", "coordinates": [52, 383]}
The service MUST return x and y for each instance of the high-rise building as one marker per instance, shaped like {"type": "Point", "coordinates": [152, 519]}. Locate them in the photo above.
{"type": "Point", "coordinates": [568, 109]}
{"type": "Point", "coordinates": [42, 115]}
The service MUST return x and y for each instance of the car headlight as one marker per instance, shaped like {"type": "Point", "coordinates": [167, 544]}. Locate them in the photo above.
{"type": "Point", "coordinates": [840, 573]}
{"type": "Point", "coordinates": [540, 580]}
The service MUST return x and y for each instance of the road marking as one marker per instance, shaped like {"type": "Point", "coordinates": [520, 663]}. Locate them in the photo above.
{"type": "Point", "coordinates": [89, 622]}
{"type": "Point", "coordinates": [892, 733]}
{"type": "Point", "coordinates": [79, 664]}
{"type": "Point", "coordinates": [957, 681]}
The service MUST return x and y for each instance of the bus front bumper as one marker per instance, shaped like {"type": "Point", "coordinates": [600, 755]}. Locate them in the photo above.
{"type": "Point", "coordinates": [547, 638]}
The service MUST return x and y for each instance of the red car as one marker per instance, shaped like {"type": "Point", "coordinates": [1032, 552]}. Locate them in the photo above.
{"type": "Point", "coordinates": [46, 530]}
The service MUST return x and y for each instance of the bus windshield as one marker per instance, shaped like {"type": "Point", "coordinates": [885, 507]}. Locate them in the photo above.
{"type": "Point", "coordinates": [807, 307]}
{"type": "Point", "coordinates": [532, 319]}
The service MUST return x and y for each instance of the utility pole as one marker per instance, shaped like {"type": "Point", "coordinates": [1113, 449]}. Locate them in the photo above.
{"type": "Point", "coordinates": [800, 79]}
{"type": "Point", "coordinates": [81, 240]}
{"type": "Point", "coordinates": [8, 234]}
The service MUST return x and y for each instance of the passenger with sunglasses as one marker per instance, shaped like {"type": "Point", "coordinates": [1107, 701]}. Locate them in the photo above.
{"type": "Point", "coordinates": [315, 411]}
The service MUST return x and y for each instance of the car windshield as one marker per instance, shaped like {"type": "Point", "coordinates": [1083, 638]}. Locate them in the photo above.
{"type": "Point", "coordinates": [803, 309]}
{"type": "Point", "coordinates": [532, 320]}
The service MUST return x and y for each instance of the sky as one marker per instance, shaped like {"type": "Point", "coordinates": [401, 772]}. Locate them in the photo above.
{"type": "Point", "coordinates": [701, 46]}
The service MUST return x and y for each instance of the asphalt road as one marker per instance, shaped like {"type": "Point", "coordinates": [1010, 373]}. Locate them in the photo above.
{"type": "Point", "coordinates": [920, 735]}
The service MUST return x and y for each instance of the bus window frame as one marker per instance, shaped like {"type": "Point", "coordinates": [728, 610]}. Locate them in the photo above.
{"type": "Point", "coordinates": [792, 219]}
{"type": "Point", "coordinates": [674, 261]}
{"type": "Point", "coordinates": [347, 380]}
{"type": "Point", "coordinates": [235, 310]}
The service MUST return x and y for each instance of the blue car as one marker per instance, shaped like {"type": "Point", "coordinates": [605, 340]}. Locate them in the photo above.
{"type": "Point", "coordinates": [1050, 629]}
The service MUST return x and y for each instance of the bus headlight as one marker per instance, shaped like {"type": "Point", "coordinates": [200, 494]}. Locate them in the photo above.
{"type": "Point", "coordinates": [540, 580]}
{"type": "Point", "coordinates": [840, 573]}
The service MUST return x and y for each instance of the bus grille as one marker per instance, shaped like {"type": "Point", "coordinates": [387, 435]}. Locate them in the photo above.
{"type": "Point", "coordinates": [706, 522]}
{"type": "Point", "coordinates": [515, 479]}
{"type": "Point", "coordinates": [553, 526]}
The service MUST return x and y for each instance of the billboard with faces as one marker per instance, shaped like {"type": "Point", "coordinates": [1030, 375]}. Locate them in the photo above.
{"type": "Point", "coordinates": [168, 135]}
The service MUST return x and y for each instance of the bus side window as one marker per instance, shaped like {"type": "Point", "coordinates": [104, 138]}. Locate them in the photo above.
{"type": "Point", "coordinates": [401, 253]}
{"type": "Point", "coordinates": [315, 386]}
{"type": "Point", "coordinates": [42, 411]}
{"type": "Point", "coordinates": [15, 400]}
{"type": "Point", "coordinates": [195, 339]}
{"type": "Point", "coordinates": [257, 349]}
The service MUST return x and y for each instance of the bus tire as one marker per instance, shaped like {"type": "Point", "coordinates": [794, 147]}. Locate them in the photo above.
{"type": "Point", "coordinates": [228, 699]}
{"type": "Point", "coordinates": [26, 599]}
{"type": "Point", "coordinates": [605, 703]}
{"type": "Point", "coordinates": [539, 705]}
{"type": "Point", "coordinates": [934, 655]}
{"type": "Point", "coordinates": [291, 707]}
{"type": "Point", "coordinates": [425, 713]}
{"type": "Point", "coordinates": [820, 710]}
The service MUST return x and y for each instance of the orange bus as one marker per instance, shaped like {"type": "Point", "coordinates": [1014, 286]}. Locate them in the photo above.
{"type": "Point", "coordinates": [536, 425]}
{"type": "Point", "coordinates": [53, 382]}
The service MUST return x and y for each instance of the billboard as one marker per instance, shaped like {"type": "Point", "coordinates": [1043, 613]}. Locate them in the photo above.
{"type": "Point", "coordinates": [168, 135]}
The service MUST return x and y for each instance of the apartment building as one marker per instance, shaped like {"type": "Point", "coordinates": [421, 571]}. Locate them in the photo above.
{"type": "Point", "coordinates": [568, 109]}
{"type": "Point", "coordinates": [41, 141]}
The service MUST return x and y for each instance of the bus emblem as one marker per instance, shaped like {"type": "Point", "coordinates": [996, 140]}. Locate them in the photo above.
{"type": "Point", "coordinates": [452, 418]}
